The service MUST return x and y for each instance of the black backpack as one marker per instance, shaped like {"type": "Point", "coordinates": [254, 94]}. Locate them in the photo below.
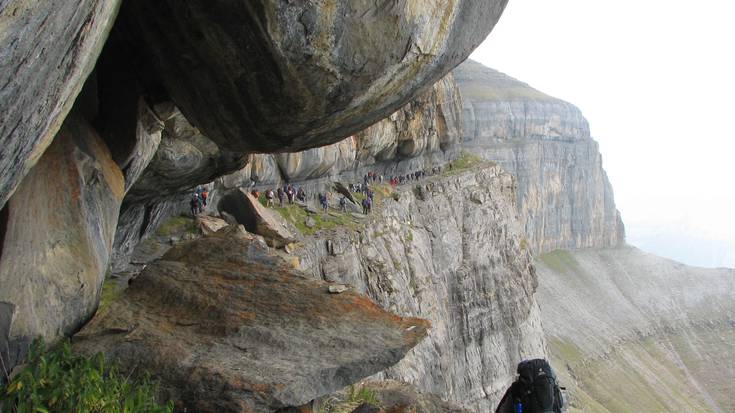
{"type": "Point", "coordinates": [536, 388]}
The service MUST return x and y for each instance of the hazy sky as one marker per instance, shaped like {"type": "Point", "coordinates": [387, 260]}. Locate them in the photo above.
{"type": "Point", "coordinates": [655, 79]}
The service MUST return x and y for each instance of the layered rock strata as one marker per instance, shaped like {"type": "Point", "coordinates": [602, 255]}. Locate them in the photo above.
{"type": "Point", "coordinates": [59, 227]}
{"type": "Point", "coordinates": [564, 197]}
{"type": "Point", "coordinates": [241, 330]}
{"type": "Point", "coordinates": [449, 250]}
{"type": "Point", "coordinates": [636, 332]}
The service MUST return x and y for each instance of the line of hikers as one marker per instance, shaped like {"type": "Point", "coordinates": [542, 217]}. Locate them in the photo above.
{"type": "Point", "coordinates": [290, 193]}
{"type": "Point", "coordinates": [198, 201]}
{"type": "Point", "coordinates": [287, 191]}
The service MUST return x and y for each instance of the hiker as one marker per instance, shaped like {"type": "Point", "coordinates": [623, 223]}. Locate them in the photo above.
{"type": "Point", "coordinates": [290, 193]}
{"type": "Point", "coordinates": [279, 193]}
{"type": "Point", "coordinates": [194, 205]}
{"type": "Point", "coordinates": [301, 194]}
{"type": "Point", "coordinates": [255, 193]}
{"type": "Point", "coordinates": [269, 197]}
{"type": "Point", "coordinates": [534, 391]}
{"type": "Point", "coordinates": [205, 195]}
{"type": "Point", "coordinates": [323, 200]}
{"type": "Point", "coordinates": [343, 204]}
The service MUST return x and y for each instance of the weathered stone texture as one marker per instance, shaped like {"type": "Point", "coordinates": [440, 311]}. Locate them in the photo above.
{"type": "Point", "coordinates": [426, 130]}
{"type": "Point", "coordinates": [456, 258]}
{"type": "Point", "coordinates": [240, 330]}
{"type": "Point", "coordinates": [273, 76]}
{"type": "Point", "coordinates": [47, 50]}
{"type": "Point", "coordinates": [61, 222]}
{"type": "Point", "coordinates": [564, 197]}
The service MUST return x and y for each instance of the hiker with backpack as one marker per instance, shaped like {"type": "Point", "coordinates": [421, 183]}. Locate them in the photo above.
{"type": "Point", "coordinates": [279, 192]}
{"type": "Point", "coordinates": [269, 197]}
{"type": "Point", "coordinates": [343, 204]}
{"type": "Point", "coordinates": [194, 204]}
{"type": "Point", "coordinates": [534, 391]}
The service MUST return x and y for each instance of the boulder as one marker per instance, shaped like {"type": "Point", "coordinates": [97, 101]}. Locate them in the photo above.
{"type": "Point", "coordinates": [271, 76]}
{"type": "Point", "coordinates": [210, 225]}
{"type": "Point", "coordinates": [241, 330]}
{"type": "Point", "coordinates": [58, 238]}
{"type": "Point", "coordinates": [48, 49]}
{"type": "Point", "coordinates": [258, 219]}
{"type": "Point", "coordinates": [345, 191]}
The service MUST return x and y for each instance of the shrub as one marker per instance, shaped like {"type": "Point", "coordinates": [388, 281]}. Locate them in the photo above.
{"type": "Point", "coordinates": [396, 196]}
{"type": "Point", "coordinates": [61, 381]}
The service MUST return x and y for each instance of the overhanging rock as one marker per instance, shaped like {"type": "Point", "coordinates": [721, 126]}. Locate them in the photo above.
{"type": "Point", "coordinates": [228, 327]}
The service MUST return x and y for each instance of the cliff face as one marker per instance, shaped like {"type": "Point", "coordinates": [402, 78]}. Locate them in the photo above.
{"type": "Point", "coordinates": [426, 130]}
{"type": "Point", "coordinates": [452, 254]}
{"type": "Point", "coordinates": [179, 94]}
{"type": "Point", "coordinates": [564, 197]}
{"type": "Point", "coordinates": [637, 332]}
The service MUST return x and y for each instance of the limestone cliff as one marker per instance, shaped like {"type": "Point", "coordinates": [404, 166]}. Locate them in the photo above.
{"type": "Point", "coordinates": [564, 197]}
{"type": "Point", "coordinates": [178, 94]}
{"type": "Point", "coordinates": [426, 131]}
{"type": "Point", "coordinates": [450, 251]}
{"type": "Point", "coordinates": [636, 332]}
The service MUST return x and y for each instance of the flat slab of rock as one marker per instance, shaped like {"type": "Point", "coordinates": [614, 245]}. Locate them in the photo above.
{"type": "Point", "coordinates": [240, 330]}
{"type": "Point", "coordinates": [210, 225]}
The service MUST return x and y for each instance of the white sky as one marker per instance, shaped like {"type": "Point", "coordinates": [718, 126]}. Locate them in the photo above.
{"type": "Point", "coordinates": [656, 80]}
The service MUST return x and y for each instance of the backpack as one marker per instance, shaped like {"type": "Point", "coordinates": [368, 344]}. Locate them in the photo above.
{"type": "Point", "coordinates": [536, 388]}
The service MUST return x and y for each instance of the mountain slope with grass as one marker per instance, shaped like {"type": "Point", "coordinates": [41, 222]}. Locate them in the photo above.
{"type": "Point", "coordinates": [630, 331]}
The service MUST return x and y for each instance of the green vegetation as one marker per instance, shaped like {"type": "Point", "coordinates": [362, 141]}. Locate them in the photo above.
{"type": "Point", "coordinates": [465, 161]}
{"type": "Point", "coordinates": [61, 381]}
{"type": "Point", "coordinates": [111, 290]}
{"type": "Point", "coordinates": [177, 225]}
{"type": "Point", "coordinates": [355, 397]}
{"type": "Point", "coordinates": [322, 221]}
{"type": "Point", "coordinates": [560, 261]}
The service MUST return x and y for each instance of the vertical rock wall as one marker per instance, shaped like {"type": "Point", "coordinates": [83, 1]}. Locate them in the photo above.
{"type": "Point", "coordinates": [564, 197]}
{"type": "Point", "coordinates": [452, 254]}
{"type": "Point", "coordinates": [56, 247]}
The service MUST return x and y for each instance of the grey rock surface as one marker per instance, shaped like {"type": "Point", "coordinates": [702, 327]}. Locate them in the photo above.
{"type": "Point", "coordinates": [241, 330]}
{"type": "Point", "coordinates": [426, 131]}
{"type": "Point", "coordinates": [60, 225]}
{"type": "Point", "coordinates": [455, 262]}
{"type": "Point", "coordinates": [282, 77]}
{"type": "Point", "coordinates": [564, 197]}
{"type": "Point", "coordinates": [636, 332]}
{"type": "Point", "coordinates": [258, 219]}
{"type": "Point", "coordinates": [168, 158]}
{"type": "Point", "coordinates": [47, 50]}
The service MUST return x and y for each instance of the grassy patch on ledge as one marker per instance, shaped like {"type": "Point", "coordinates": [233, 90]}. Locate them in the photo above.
{"type": "Point", "coordinates": [464, 162]}
{"type": "Point", "coordinates": [332, 219]}
{"type": "Point", "coordinates": [177, 225]}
